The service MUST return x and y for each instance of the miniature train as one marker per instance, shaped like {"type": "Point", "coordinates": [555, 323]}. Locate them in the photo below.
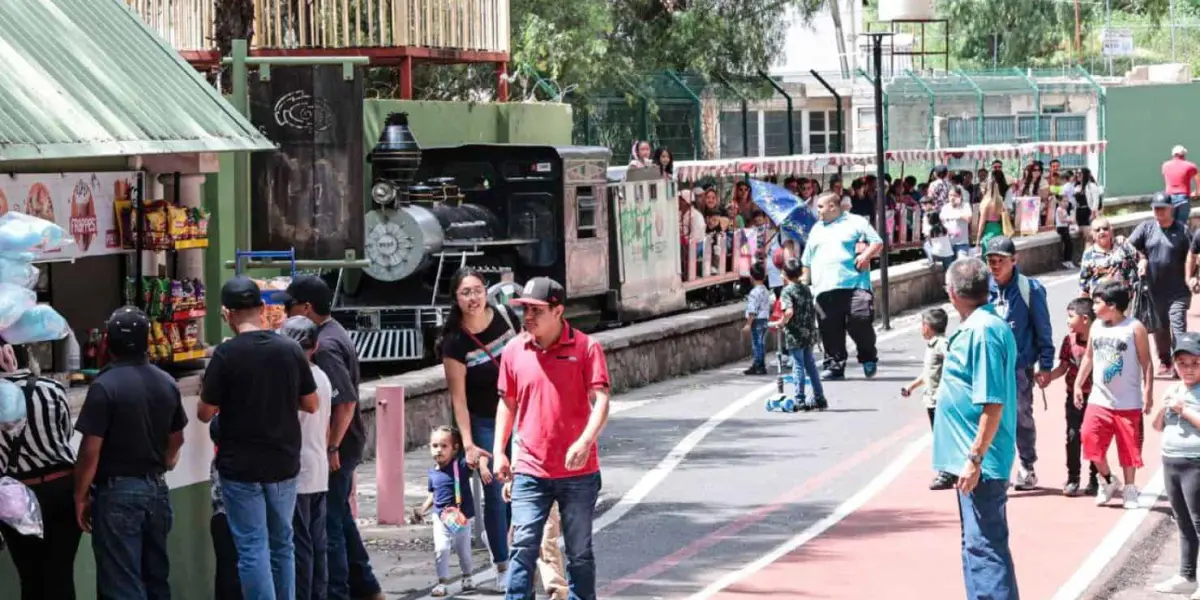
{"type": "Point", "coordinates": [513, 212]}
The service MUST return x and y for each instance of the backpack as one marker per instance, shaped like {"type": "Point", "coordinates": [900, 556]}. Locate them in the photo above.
{"type": "Point", "coordinates": [1023, 287]}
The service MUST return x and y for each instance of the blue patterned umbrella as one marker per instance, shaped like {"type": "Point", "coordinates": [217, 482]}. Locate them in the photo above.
{"type": "Point", "coordinates": [783, 208]}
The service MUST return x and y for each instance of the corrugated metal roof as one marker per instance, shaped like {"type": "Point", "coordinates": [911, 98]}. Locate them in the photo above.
{"type": "Point", "coordinates": [86, 78]}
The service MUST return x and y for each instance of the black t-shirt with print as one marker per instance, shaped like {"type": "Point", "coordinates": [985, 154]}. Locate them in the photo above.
{"type": "Point", "coordinates": [256, 379]}
{"type": "Point", "coordinates": [482, 372]}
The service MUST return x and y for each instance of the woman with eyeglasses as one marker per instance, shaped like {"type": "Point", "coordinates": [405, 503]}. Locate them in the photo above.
{"type": "Point", "coordinates": [475, 334]}
{"type": "Point", "coordinates": [1109, 257]}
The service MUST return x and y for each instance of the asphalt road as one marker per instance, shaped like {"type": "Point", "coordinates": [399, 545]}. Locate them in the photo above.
{"type": "Point", "coordinates": [704, 480]}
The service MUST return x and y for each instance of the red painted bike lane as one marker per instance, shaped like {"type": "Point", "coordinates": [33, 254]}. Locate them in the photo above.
{"type": "Point", "coordinates": [905, 541]}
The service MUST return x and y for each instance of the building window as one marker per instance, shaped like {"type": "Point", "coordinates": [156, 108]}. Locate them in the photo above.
{"type": "Point", "coordinates": [732, 134]}
{"type": "Point", "coordinates": [585, 216]}
{"type": "Point", "coordinates": [823, 136]}
{"type": "Point", "coordinates": [775, 129]}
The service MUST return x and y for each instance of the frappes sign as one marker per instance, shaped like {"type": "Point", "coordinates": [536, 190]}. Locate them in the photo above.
{"type": "Point", "coordinates": [81, 203]}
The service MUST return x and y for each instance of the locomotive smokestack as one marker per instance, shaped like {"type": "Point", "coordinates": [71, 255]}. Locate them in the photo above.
{"type": "Point", "coordinates": [394, 160]}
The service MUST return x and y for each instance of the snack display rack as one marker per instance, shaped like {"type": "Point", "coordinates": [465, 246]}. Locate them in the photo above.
{"type": "Point", "coordinates": [271, 289]}
{"type": "Point", "coordinates": [175, 306]}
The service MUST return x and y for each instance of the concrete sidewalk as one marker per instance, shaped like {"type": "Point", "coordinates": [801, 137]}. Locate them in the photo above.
{"type": "Point", "coordinates": [1151, 558]}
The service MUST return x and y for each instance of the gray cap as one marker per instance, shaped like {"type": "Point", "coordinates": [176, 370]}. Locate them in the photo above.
{"type": "Point", "coordinates": [1186, 343]}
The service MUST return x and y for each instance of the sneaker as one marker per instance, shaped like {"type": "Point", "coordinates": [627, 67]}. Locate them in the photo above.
{"type": "Point", "coordinates": [1177, 584]}
{"type": "Point", "coordinates": [821, 403]}
{"type": "Point", "coordinates": [870, 368]}
{"type": "Point", "coordinates": [468, 584]}
{"type": "Point", "coordinates": [1093, 487]}
{"type": "Point", "coordinates": [1106, 491]}
{"type": "Point", "coordinates": [439, 591]}
{"type": "Point", "coordinates": [1071, 489]}
{"type": "Point", "coordinates": [1131, 497]}
{"type": "Point", "coordinates": [1068, 264]}
{"type": "Point", "coordinates": [1026, 480]}
{"type": "Point", "coordinates": [502, 581]}
{"type": "Point", "coordinates": [943, 481]}
{"type": "Point", "coordinates": [755, 370]}
{"type": "Point", "coordinates": [832, 375]}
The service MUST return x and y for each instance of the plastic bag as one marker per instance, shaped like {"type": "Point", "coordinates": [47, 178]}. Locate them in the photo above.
{"type": "Point", "coordinates": [19, 508]}
{"type": "Point", "coordinates": [20, 232]}
{"type": "Point", "coordinates": [12, 407]}
{"type": "Point", "coordinates": [39, 324]}
{"type": "Point", "coordinates": [16, 269]}
{"type": "Point", "coordinates": [15, 301]}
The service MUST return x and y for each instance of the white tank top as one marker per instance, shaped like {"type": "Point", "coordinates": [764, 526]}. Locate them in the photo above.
{"type": "Point", "coordinates": [1116, 373]}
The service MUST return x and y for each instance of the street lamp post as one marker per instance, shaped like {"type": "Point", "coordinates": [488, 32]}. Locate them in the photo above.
{"type": "Point", "coordinates": [880, 190]}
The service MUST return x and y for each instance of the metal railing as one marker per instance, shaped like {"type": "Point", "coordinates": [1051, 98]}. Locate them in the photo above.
{"type": "Point", "coordinates": [479, 25]}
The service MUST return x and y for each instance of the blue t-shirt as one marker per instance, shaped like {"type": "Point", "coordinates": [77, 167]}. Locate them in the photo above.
{"type": "Point", "coordinates": [981, 358]}
{"type": "Point", "coordinates": [441, 485]}
{"type": "Point", "coordinates": [829, 254]}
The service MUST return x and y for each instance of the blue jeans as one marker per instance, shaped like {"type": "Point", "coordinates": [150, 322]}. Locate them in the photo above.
{"type": "Point", "coordinates": [988, 570]}
{"type": "Point", "coordinates": [758, 342]}
{"type": "Point", "coordinates": [531, 500]}
{"type": "Point", "coordinates": [1182, 207]}
{"type": "Point", "coordinates": [311, 547]}
{"type": "Point", "coordinates": [260, 521]}
{"type": "Point", "coordinates": [804, 363]}
{"type": "Point", "coordinates": [495, 509]}
{"type": "Point", "coordinates": [350, 574]}
{"type": "Point", "coordinates": [131, 517]}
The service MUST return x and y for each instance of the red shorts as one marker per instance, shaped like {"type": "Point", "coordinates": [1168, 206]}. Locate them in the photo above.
{"type": "Point", "coordinates": [1101, 425]}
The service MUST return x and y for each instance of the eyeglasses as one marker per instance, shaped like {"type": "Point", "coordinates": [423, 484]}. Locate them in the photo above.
{"type": "Point", "coordinates": [471, 293]}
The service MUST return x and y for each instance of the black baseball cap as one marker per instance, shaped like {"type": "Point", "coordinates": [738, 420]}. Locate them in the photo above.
{"type": "Point", "coordinates": [241, 293]}
{"type": "Point", "coordinates": [309, 289]}
{"type": "Point", "coordinates": [1160, 200]}
{"type": "Point", "coordinates": [301, 329]}
{"type": "Point", "coordinates": [541, 291]}
{"type": "Point", "coordinates": [1001, 246]}
{"type": "Point", "coordinates": [1186, 343]}
{"type": "Point", "coordinates": [128, 330]}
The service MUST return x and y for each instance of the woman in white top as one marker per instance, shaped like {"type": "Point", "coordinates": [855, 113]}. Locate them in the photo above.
{"type": "Point", "coordinates": [956, 217]}
{"type": "Point", "coordinates": [1088, 198]}
{"type": "Point", "coordinates": [639, 155]}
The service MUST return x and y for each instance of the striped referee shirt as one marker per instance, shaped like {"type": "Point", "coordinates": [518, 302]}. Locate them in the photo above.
{"type": "Point", "coordinates": [46, 445]}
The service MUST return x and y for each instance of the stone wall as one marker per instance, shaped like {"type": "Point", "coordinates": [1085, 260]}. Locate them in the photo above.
{"type": "Point", "coordinates": [674, 346]}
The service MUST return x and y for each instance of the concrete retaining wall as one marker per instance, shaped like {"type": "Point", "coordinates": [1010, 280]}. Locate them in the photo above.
{"type": "Point", "coordinates": [674, 346]}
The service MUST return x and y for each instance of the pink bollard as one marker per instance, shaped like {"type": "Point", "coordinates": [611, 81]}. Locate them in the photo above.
{"type": "Point", "coordinates": [389, 454]}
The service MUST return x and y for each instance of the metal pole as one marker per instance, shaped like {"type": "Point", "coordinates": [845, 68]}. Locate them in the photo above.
{"type": "Point", "coordinates": [1172, 8]}
{"type": "Point", "coordinates": [841, 147]}
{"type": "Point", "coordinates": [791, 129]}
{"type": "Point", "coordinates": [241, 174]}
{"type": "Point", "coordinates": [880, 197]}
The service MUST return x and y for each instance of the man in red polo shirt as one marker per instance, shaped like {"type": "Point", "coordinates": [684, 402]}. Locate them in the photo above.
{"type": "Point", "coordinates": [554, 384]}
{"type": "Point", "coordinates": [1178, 174]}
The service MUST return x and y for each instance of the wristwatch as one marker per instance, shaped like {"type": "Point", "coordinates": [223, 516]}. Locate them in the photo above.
{"type": "Point", "coordinates": [975, 458]}
{"type": "Point", "coordinates": [332, 449]}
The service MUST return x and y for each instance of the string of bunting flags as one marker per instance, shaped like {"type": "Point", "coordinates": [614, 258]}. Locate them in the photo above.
{"type": "Point", "coordinates": [803, 164]}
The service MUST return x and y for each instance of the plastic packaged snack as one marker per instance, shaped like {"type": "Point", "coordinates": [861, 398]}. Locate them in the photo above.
{"type": "Point", "coordinates": [15, 301]}
{"type": "Point", "coordinates": [12, 407]}
{"type": "Point", "coordinates": [22, 233]}
{"type": "Point", "coordinates": [38, 324]}
{"type": "Point", "coordinates": [19, 507]}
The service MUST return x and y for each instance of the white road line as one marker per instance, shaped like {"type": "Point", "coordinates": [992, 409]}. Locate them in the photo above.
{"type": "Point", "coordinates": [852, 504]}
{"type": "Point", "coordinates": [1095, 563]}
{"type": "Point", "coordinates": [671, 461]}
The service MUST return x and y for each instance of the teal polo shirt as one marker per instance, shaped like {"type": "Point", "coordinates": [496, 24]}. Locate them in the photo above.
{"type": "Point", "coordinates": [829, 254]}
{"type": "Point", "coordinates": [981, 357]}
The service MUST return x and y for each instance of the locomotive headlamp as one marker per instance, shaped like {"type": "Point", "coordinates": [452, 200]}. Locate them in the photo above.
{"type": "Point", "coordinates": [383, 193]}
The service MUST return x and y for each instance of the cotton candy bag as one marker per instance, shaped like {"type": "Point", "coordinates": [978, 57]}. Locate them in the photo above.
{"type": "Point", "coordinates": [17, 268]}
{"type": "Point", "coordinates": [15, 301]}
{"type": "Point", "coordinates": [19, 507]}
{"type": "Point", "coordinates": [38, 324]}
{"type": "Point", "coordinates": [12, 407]}
{"type": "Point", "coordinates": [20, 232]}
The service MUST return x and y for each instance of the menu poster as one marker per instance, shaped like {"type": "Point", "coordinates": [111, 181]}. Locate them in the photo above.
{"type": "Point", "coordinates": [81, 203]}
{"type": "Point", "coordinates": [1029, 212]}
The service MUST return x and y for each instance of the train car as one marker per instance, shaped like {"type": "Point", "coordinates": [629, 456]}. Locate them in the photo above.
{"type": "Point", "coordinates": [513, 212]}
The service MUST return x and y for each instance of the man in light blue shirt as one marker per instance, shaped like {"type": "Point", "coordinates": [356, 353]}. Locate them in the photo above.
{"type": "Point", "coordinates": [974, 430]}
{"type": "Point", "coordinates": [837, 263]}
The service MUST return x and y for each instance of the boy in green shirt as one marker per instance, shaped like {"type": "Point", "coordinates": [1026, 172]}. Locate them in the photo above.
{"type": "Point", "coordinates": [799, 323]}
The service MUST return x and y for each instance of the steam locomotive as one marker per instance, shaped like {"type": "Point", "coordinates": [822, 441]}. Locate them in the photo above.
{"type": "Point", "coordinates": [512, 212]}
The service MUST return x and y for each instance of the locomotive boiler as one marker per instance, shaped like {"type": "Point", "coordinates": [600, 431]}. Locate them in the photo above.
{"type": "Point", "coordinates": [512, 212]}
